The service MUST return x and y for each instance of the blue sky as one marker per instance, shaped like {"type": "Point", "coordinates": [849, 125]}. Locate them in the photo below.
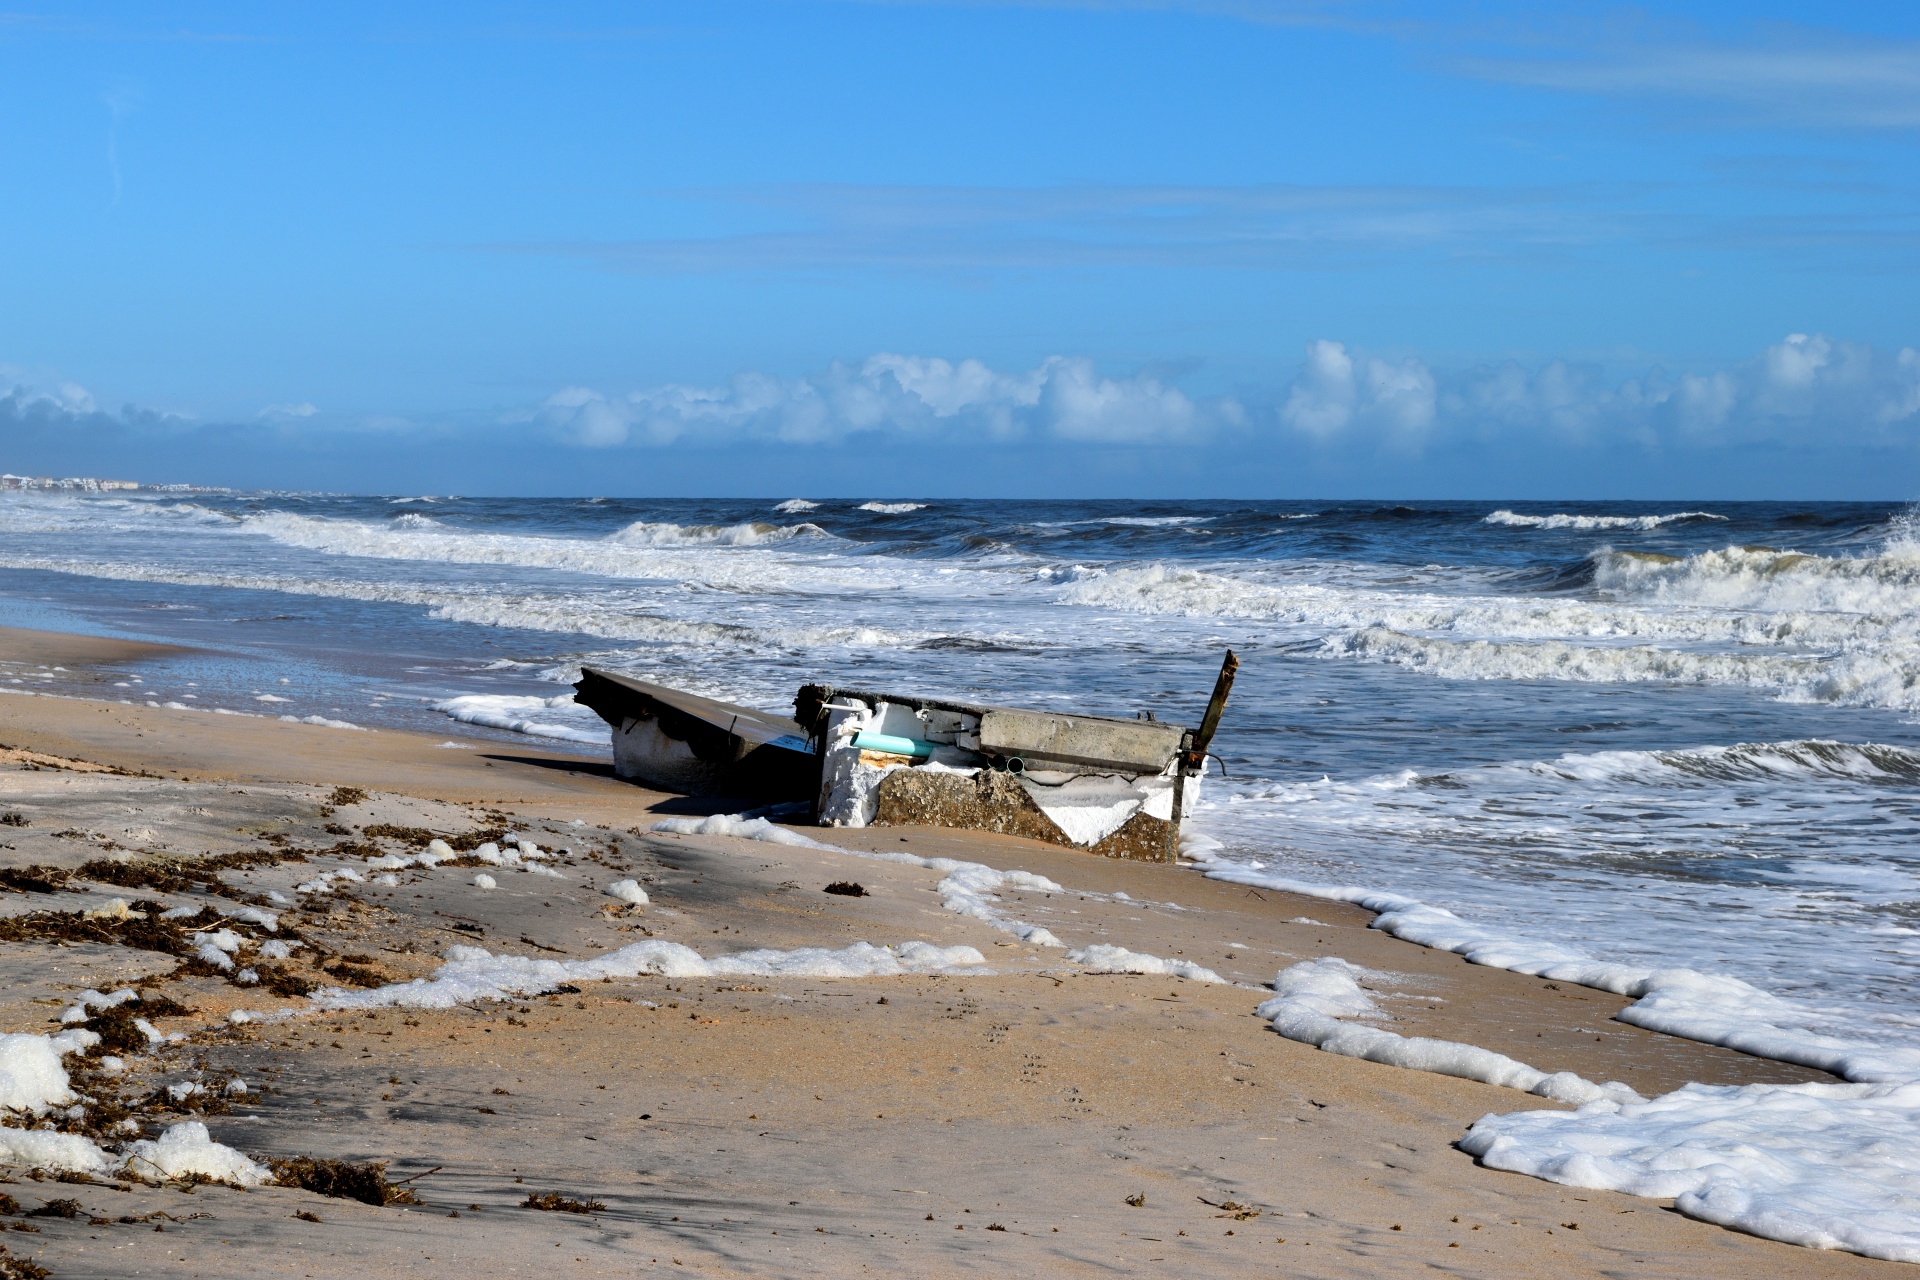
{"type": "Point", "coordinates": [1152, 248]}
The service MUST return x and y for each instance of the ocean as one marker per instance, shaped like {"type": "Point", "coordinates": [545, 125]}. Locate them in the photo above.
{"type": "Point", "coordinates": [1661, 734]}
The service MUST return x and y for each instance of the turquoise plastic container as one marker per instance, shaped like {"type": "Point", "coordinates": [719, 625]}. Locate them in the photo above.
{"type": "Point", "coordinates": [893, 746]}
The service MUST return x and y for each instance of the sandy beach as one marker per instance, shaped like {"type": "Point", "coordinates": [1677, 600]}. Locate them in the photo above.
{"type": "Point", "coordinates": [1024, 1116]}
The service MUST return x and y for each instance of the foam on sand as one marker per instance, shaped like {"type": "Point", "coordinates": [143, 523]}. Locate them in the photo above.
{"type": "Point", "coordinates": [32, 1078]}
{"type": "Point", "coordinates": [628, 891]}
{"type": "Point", "coordinates": [1315, 998]}
{"type": "Point", "coordinates": [1833, 1166]}
{"type": "Point", "coordinates": [187, 1149]}
{"type": "Point", "coordinates": [1105, 958]}
{"type": "Point", "coordinates": [1711, 1008]}
{"type": "Point", "coordinates": [1823, 1165]}
{"type": "Point", "coordinates": [45, 1149]}
{"type": "Point", "coordinates": [560, 718]}
{"type": "Point", "coordinates": [967, 889]}
{"type": "Point", "coordinates": [471, 973]}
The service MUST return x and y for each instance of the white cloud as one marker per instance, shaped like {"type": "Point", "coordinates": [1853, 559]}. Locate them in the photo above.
{"type": "Point", "coordinates": [1334, 391]}
{"type": "Point", "coordinates": [1322, 399]}
{"type": "Point", "coordinates": [1063, 398]}
{"type": "Point", "coordinates": [282, 412]}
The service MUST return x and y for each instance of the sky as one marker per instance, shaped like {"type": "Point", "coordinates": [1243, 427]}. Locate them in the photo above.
{"type": "Point", "coordinates": [1145, 248]}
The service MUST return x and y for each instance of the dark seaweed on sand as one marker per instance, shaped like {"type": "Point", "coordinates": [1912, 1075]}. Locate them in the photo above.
{"type": "Point", "coordinates": [342, 1180]}
{"type": "Point", "coordinates": [554, 1202]}
{"type": "Point", "coordinates": [12, 1268]}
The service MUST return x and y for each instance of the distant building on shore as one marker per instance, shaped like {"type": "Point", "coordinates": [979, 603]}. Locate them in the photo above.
{"type": "Point", "coordinates": [80, 484]}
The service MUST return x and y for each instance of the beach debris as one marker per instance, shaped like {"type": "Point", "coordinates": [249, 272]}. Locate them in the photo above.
{"type": "Point", "coordinates": [12, 1268]}
{"type": "Point", "coordinates": [554, 1202]}
{"type": "Point", "coordinates": [1234, 1209]}
{"type": "Point", "coordinates": [846, 889]}
{"type": "Point", "coordinates": [1118, 788]}
{"type": "Point", "coordinates": [13, 818]}
{"type": "Point", "coordinates": [1138, 1200]}
{"type": "Point", "coordinates": [345, 1180]}
{"type": "Point", "coordinates": [698, 746]}
{"type": "Point", "coordinates": [357, 971]}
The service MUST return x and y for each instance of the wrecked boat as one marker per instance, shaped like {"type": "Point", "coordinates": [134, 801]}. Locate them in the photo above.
{"type": "Point", "coordinates": [1113, 787]}
{"type": "Point", "coordinates": [678, 741]}
{"type": "Point", "coordinates": [857, 758]}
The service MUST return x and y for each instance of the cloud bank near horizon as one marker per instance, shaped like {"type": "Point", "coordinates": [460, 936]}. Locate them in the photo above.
{"type": "Point", "coordinates": [1336, 406]}
{"type": "Point", "coordinates": [1805, 389]}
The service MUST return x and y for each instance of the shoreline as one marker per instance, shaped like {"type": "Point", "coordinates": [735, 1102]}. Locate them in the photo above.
{"type": "Point", "coordinates": [1083, 1075]}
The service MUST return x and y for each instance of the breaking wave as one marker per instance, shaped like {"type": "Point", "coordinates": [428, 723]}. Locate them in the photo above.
{"type": "Point", "coordinates": [752, 533]}
{"type": "Point", "coordinates": [1887, 676]}
{"type": "Point", "coordinates": [696, 553]}
{"type": "Point", "coordinates": [1173, 590]}
{"type": "Point", "coordinates": [1770, 579]}
{"type": "Point", "coordinates": [892, 508]}
{"type": "Point", "coordinates": [564, 614]}
{"type": "Point", "coordinates": [1514, 520]}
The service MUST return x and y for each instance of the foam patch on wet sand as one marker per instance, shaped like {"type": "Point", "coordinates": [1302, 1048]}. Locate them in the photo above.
{"type": "Point", "coordinates": [1316, 998]}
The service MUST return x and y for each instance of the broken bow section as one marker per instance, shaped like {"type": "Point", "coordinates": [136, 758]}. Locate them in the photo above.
{"type": "Point", "coordinates": [698, 746]}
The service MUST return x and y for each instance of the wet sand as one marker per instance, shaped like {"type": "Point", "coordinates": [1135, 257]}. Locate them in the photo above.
{"type": "Point", "coordinates": [776, 1126]}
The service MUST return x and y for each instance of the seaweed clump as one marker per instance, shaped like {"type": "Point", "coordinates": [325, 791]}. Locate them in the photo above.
{"type": "Point", "coordinates": [12, 1268]}
{"type": "Point", "coordinates": [343, 1180]}
{"type": "Point", "coordinates": [554, 1202]}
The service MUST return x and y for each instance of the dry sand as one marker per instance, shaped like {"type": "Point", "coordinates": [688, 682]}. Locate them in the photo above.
{"type": "Point", "coordinates": [991, 1123]}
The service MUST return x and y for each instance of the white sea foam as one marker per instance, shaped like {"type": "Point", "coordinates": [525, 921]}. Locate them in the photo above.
{"type": "Point", "coordinates": [628, 891]}
{"type": "Point", "coordinates": [1514, 520]}
{"type": "Point", "coordinates": [892, 508]}
{"type": "Point", "coordinates": [1315, 999]}
{"type": "Point", "coordinates": [187, 1149]}
{"type": "Point", "coordinates": [1104, 957]}
{"type": "Point", "coordinates": [32, 1078]}
{"type": "Point", "coordinates": [1827, 1166]}
{"type": "Point", "coordinates": [45, 1149]}
{"type": "Point", "coordinates": [559, 717]}
{"type": "Point", "coordinates": [323, 722]}
{"type": "Point", "coordinates": [1715, 1009]}
{"type": "Point", "coordinates": [794, 506]}
{"type": "Point", "coordinates": [471, 973]}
